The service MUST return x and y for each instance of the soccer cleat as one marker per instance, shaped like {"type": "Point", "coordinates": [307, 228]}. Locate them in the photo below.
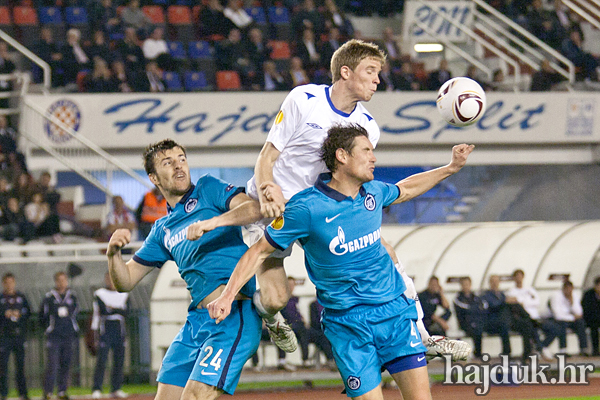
{"type": "Point", "coordinates": [119, 394]}
{"type": "Point", "coordinates": [96, 394]}
{"type": "Point", "coordinates": [439, 346]}
{"type": "Point", "coordinates": [282, 334]}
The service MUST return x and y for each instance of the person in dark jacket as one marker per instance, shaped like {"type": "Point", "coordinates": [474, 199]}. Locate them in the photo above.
{"type": "Point", "coordinates": [14, 313]}
{"type": "Point", "coordinates": [432, 298]}
{"type": "Point", "coordinates": [470, 312]}
{"type": "Point", "coordinates": [497, 319]}
{"type": "Point", "coordinates": [108, 323]}
{"type": "Point", "coordinates": [58, 315]}
{"type": "Point", "coordinates": [591, 313]}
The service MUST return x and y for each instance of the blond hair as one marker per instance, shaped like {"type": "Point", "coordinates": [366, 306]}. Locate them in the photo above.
{"type": "Point", "coordinates": [351, 53]}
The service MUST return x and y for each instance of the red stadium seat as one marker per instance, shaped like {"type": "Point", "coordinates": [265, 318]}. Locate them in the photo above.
{"type": "Point", "coordinates": [6, 20]}
{"type": "Point", "coordinates": [25, 16]}
{"type": "Point", "coordinates": [155, 13]}
{"type": "Point", "coordinates": [281, 50]}
{"type": "Point", "coordinates": [228, 80]}
{"type": "Point", "coordinates": [179, 15]}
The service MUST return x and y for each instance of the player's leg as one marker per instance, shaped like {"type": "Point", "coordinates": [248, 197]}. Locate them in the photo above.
{"type": "Point", "coordinates": [168, 392]}
{"type": "Point", "coordinates": [437, 346]}
{"type": "Point", "coordinates": [375, 394]}
{"type": "Point", "coordinates": [413, 383]}
{"type": "Point", "coordinates": [200, 391]}
{"type": "Point", "coordinates": [274, 293]}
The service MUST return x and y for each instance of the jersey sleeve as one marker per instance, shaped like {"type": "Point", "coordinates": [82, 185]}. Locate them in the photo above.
{"type": "Point", "coordinates": [153, 252]}
{"type": "Point", "coordinates": [389, 192]}
{"type": "Point", "coordinates": [286, 122]}
{"type": "Point", "coordinates": [294, 224]}
{"type": "Point", "coordinates": [374, 132]}
{"type": "Point", "coordinates": [218, 193]}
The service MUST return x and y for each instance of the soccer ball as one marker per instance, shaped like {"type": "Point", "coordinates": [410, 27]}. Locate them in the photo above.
{"type": "Point", "coordinates": [461, 101]}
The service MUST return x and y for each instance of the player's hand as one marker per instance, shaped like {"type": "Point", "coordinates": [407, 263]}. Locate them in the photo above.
{"type": "Point", "coordinates": [219, 309]}
{"type": "Point", "coordinates": [120, 238]}
{"type": "Point", "coordinates": [460, 153]}
{"type": "Point", "coordinates": [197, 229]}
{"type": "Point", "coordinates": [272, 203]}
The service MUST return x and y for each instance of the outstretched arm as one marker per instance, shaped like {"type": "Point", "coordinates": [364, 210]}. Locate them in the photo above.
{"type": "Point", "coordinates": [242, 211]}
{"type": "Point", "coordinates": [270, 206]}
{"type": "Point", "coordinates": [417, 184]}
{"type": "Point", "coordinates": [250, 262]}
{"type": "Point", "coordinates": [123, 275]}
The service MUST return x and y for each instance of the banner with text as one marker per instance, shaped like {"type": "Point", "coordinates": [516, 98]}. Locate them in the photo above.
{"type": "Point", "coordinates": [429, 14]}
{"type": "Point", "coordinates": [244, 119]}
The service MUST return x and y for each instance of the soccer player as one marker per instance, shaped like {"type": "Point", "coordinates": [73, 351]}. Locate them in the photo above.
{"type": "Point", "coordinates": [368, 319]}
{"type": "Point", "coordinates": [290, 159]}
{"type": "Point", "coordinates": [205, 359]}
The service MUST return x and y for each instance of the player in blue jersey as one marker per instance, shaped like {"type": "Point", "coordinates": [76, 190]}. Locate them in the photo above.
{"type": "Point", "coordinates": [290, 159]}
{"type": "Point", "coordinates": [205, 359]}
{"type": "Point", "coordinates": [368, 318]}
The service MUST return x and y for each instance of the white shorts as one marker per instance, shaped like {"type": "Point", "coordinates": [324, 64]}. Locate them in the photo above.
{"type": "Point", "coordinates": [257, 230]}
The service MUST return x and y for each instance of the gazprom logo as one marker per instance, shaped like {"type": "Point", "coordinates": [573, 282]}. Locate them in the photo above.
{"type": "Point", "coordinates": [171, 241]}
{"type": "Point", "coordinates": [339, 247]}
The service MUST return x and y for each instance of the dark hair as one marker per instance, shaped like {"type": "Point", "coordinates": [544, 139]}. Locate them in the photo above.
{"type": "Point", "coordinates": [518, 271]}
{"type": "Point", "coordinates": [597, 280]}
{"type": "Point", "coordinates": [340, 137]}
{"type": "Point", "coordinates": [7, 275]}
{"type": "Point", "coordinates": [567, 283]}
{"type": "Point", "coordinates": [464, 278]}
{"type": "Point", "coordinates": [434, 277]}
{"type": "Point", "coordinates": [153, 149]}
{"type": "Point", "coordinates": [59, 273]}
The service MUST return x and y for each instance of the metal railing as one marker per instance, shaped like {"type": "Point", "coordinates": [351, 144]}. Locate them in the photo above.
{"type": "Point", "coordinates": [583, 9]}
{"type": "Point", "coordinates": [31, 56]}
{"type": "Point", "coordinates": [81, 155]}
{"type": "Point", "coordinates": [483, 42]}
{"type": "Point", "coordinates": [540, 51]}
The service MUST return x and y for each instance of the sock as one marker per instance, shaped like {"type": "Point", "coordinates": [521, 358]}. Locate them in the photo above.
{"type": "Point", "coordinates": [260, 309]}
{"type": "Point", "coordinates": [424, 334]}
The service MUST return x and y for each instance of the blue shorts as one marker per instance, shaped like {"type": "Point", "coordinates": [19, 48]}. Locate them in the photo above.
{"type": "Point", "coordinates": [367, 337]}
{"type": "Point", "coordinates": [213, 354]}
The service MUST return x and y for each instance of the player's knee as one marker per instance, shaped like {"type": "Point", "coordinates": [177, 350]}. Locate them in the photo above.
{"type": "Point", "coordinates": [275, 298]}
{"type": "Point", "coordinates": [200, 391]}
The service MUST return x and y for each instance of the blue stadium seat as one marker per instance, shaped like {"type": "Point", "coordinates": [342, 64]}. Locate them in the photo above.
{"type": "Point", "coordinates": [195, 80]}
{"type": "Point", "coordinates": [257, 14]}
{"type": "Point", "coordinates": [173, 82]}
{"type": "Point", "coordinates": [199, 50]}
{"type": "Point", "coordinates": [177, 50]}
{"type": "Point", "coordinates": [279, 15]}
{"type": "Point", "coordinates": [76, 16]}
{"type": "Point", "coordinates": [50, 16]}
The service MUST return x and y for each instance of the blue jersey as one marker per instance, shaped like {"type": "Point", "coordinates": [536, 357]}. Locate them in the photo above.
{"type": "Point", "coordinates": [341, 239]}
{"type": "Point", "coordinates": [208, 262]}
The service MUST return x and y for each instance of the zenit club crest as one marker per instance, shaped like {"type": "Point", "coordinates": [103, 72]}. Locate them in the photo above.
{"type": "Point", "coordinates": [370, 202]}
{"type": "Point", "coordinates": [190, 205]}
{"type": "Point", "coordinates": [277, 223]}
{"type": "Point", "coordinates": [68, 114]}
{"type": "Point", "coordinates": [353, 382]}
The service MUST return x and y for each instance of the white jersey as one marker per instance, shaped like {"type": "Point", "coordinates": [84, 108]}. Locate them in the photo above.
{"type": "Point", "coordinates": [298, 132]}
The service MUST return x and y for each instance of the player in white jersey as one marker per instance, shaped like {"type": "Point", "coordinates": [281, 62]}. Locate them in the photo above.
{"type": "Point", "coordinates": [291, 159]}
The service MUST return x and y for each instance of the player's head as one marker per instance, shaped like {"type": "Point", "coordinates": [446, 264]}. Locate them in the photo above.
{"type": "Point", "coordinates": [518, 276]}
{"type": "Point", "coordinates": [61, 281]}
{"type": "Point", "coordinates": [465, 284]}
{"type": "Point", "coordinates": [494, 282]}
{"type": "Point", "coordinates": [357, 64]}
{"type": "Point", "coordinates": [348, 147]}
{"type": "Point", "coordinates": [8, 282]}
{"type": "Point", "coordinates": [166, 164]}
{"type": "Point", "coordinates": [434, 284]}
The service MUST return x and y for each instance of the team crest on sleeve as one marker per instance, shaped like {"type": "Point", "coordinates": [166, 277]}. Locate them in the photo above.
{"type": "Point", "coordinates": [279, 117]}
{"type": "Point", "coordinates": [353, 382]}
{"type": "Point", "coordinates": [190, 205]}
{"type": "Point", "coordinates": [370, 202]}
{"type": "Point", "coordinates": [277, 223]}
